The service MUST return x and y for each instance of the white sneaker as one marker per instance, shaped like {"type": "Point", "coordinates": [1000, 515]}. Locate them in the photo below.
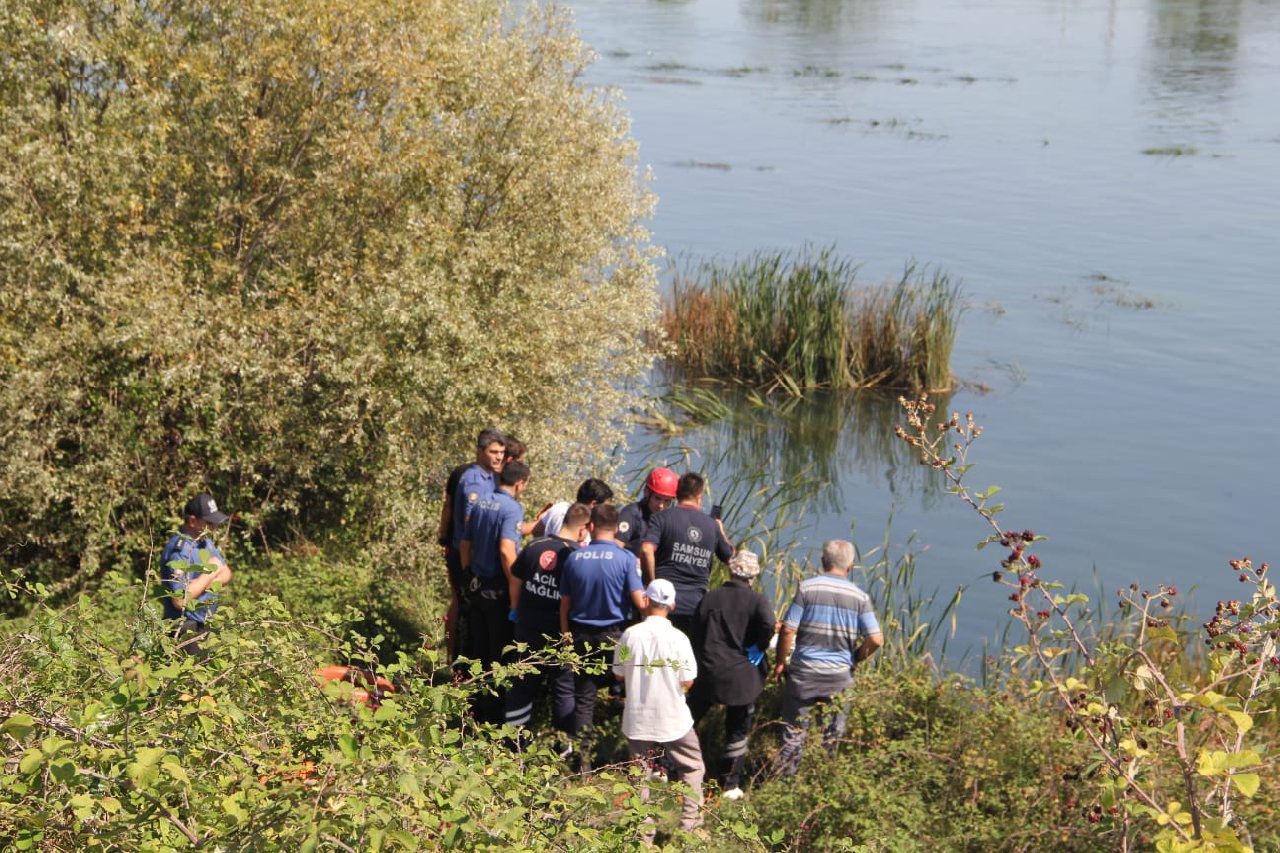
{"type": "Point", "coordinates": [733, 794]}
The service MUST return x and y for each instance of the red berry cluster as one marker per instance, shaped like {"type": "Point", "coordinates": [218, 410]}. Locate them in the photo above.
{"type": "Point", "coordinates": [1237, 623]}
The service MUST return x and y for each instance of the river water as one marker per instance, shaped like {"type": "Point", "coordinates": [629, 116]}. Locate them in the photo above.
{"type": "Point", "coordinates": [1104, 177]}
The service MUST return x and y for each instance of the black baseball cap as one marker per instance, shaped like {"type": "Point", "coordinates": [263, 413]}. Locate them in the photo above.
{"type": "Point", "coordinates": [203, 507]}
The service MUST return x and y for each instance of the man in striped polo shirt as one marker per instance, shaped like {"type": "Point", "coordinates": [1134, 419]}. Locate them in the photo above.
{"type": "Point", "coordinates": [832, 628]}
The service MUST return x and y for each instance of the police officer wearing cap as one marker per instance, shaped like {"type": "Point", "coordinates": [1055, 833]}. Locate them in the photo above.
{"type": "Point", "coordinates": [192, 569]}
{"type": "Point", "coordinates": [633, 519]}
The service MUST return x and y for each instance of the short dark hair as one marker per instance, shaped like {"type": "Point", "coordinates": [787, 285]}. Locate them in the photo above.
{"type": "Point", "coordinates": [488, 436]}
{"type": "Point", "coordinates": [575, 515]}
{"type": "Point", "coordinates": [690, 486]}
{"type": "Point", "coordinates": [604, 517]}
{"type": "Point", "coordinates": [512, 473]}
{"type": "Point", "coordinates": [515, 448]}
{"type": "Point", "coordinates": [594, 490]}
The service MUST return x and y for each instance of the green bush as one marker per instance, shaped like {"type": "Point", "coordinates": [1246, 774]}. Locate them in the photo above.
{"type": "Point", "coordinates": [931, 764]}
{"type": "Point", "coordinates": [112, 741]}
{"type": "Point", "coordinates": [296, 252]}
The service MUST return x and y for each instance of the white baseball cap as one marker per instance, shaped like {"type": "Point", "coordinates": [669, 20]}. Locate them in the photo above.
{"type": "Point", "coordinates": [661, 592]}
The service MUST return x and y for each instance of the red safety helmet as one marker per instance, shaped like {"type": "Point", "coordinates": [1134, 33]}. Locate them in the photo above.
{"type": "Point", "coordinates": [663, 482]}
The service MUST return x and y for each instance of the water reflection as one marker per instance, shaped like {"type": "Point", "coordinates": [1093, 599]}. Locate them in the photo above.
{"type": "Point", "coordinates": [1192, 62]}
{"type": "Point", "coordinates": [816, 16]}
{"type": "Point", "coordinates": [822, 444]}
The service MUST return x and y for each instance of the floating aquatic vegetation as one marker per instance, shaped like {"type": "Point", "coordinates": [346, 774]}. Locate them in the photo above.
{"type": "Point", "coordinates": [791, 322]}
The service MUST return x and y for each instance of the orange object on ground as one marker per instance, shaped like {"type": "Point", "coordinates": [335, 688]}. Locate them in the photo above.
{"type": "Point", "coordinates": [370, 688]}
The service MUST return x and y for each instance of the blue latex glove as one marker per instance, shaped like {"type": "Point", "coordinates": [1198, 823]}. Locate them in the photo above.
{"type": "Point", "coordinates": [512, 615]}
{"type": "Point", "coordinates": [754, 654]}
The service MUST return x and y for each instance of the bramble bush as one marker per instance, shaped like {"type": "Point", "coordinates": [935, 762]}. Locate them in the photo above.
{"type": "Point", "coordinates": [930, 763]}
{"type": "Point", "coordinates": [1177, 733]}
{"type": "Point", "coordinates": [112, 740]}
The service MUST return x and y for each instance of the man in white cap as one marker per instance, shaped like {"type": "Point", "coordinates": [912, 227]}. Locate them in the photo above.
{"type": "Point", "coordinates": [656, 661]}
{"type": "Point", "coordinates": [732, 628]}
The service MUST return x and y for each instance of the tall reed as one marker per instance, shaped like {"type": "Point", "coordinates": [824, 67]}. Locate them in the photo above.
{"type": "Point", "coordinates": [796, 321]}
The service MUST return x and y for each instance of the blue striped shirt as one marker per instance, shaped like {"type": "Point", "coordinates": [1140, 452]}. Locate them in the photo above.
{"type": "Point", "coordinates": [830, 614]}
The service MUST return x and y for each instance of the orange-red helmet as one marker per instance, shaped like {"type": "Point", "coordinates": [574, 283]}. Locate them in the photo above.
{"type": "Point", "coordinates": [663, 482]}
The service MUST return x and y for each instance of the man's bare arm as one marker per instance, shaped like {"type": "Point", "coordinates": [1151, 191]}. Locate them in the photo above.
{"type": "Point", "coordinates": [648, 565]}
{"type": "Point", "coordinates": [639, 599]}
{"type": "Point", "coordinates": [565, 602]}
{"type": "Point", "coordinates": [786, 639]}
{"type": "Point", "coordinates": [201, 582]}
{"type": "Point", "coordinates": [507, 557]}
{"type": "Point", "coordinates": [867, 647]}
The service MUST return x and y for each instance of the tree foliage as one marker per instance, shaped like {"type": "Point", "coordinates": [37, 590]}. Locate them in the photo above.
{"type": "Point", "coordinates": [295, 251]}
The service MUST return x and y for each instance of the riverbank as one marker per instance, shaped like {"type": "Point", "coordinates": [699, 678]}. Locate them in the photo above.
{"type": "Point", "coordinates": [113, 742]}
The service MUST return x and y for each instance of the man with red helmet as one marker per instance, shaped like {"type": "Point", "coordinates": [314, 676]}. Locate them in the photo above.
{"type": "Point", "coordinates": [633, 520]}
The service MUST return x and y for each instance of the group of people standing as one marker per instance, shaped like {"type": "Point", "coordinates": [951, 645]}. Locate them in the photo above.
{"type": "Point", "coordinates": [629, 590]}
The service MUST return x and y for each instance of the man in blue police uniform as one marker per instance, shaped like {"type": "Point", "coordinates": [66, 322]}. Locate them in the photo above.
{"type": "Point", "coordinates": [466, 485]}
{"type": "Point", "coordinates": [633, 520]}
{"type": "Point", "coordinates": [599, 585]}
{"type": "Point", "coordinates": [679, 547]}
{"type": "Point", "coordinates": [538, 621]}
{"type": "Point", "coordinates": [190, 566]}
{"type": "Point", "coordinates": [488, 551]}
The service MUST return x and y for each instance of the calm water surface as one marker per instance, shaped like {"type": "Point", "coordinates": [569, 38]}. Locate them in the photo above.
{"type": "Point", "coordinates": [1122, 304]}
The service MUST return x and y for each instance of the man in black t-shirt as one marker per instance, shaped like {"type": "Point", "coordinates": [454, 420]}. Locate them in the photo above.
{"type": "Point", "coordinates": [680, 545]}
{"type": "Point", "coordinates": [537, 620]}
{"type": "Point", "coordinates": [633, 519]}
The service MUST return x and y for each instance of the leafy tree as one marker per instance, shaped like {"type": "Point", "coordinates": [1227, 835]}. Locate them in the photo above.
{"type": "Point", "coordinates": [296, 252]}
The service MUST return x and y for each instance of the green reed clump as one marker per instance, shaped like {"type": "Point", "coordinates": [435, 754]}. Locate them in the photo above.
{"type": "Point", "coordinates": [798, 321]}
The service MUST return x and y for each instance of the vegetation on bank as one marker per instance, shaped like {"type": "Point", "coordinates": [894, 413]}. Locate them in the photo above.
{"type": "Point", "coordinates": [1177, 733]}
{"type": "Point", "coordinates": [1124, 734]}
{"type": "Point", "coordinates": [800, 321]}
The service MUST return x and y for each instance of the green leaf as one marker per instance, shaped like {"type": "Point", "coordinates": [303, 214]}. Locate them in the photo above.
{"type": "Point", "coordinates": [31, 761]}
{"type": "Point", "coordinates": [144, 771]}
{"type": "Point", "coordinates": [390, 710]}
{"type": "Point", "coordinates": [1246, 782]}
{"type": "Point", "coordinates": [1210, 763]}
{"type": "Point", "coordinates": [347, 744]}
{"type": "Point", "coordinates": [63, 771]}
{"type": "Point", "coordinates": [408, 784]}
{"type": "Point", "coordinates": [175, 770]}
{"type": "Point", "coordinates": [406, 840]}
{"type": "Point", "coordinates": [1244, 758]}
{"type": "Point", "coordinates": [1242, 720]}
{"type": "Point", "coordinates": [19, 725]}
{"type": "Point", "coordinates": [232, 804]}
